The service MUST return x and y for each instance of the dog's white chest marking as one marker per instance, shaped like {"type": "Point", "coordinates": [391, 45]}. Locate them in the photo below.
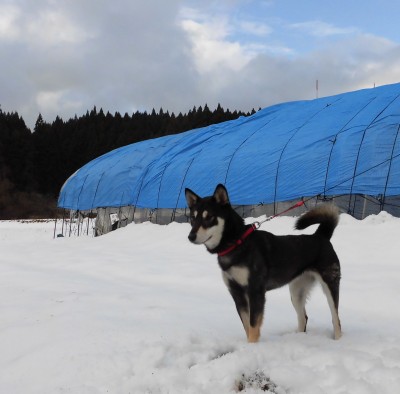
{"type": "Point", "coordinates": [238, 274]}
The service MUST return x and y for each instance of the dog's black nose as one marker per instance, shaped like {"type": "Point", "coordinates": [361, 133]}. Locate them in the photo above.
{"type": "Point", "coordinates": [192, 236]}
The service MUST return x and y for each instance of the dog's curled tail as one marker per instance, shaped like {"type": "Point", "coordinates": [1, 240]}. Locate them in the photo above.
{"type": "Point", "coordinates": [327, 215]}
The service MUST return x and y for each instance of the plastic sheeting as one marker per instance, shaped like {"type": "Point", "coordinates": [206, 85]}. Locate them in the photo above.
{"type": "Point", "coordinates": [343, 144]}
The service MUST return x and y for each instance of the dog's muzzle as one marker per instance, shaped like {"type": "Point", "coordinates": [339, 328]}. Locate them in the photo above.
{"type": "Point", "coordinates": [192, 236]}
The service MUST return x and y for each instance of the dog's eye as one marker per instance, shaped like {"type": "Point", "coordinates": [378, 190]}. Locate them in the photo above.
{"type": "Point", "coordinates": [210, 219]}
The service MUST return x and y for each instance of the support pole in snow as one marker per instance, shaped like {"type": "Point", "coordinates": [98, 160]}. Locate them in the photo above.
{"type": "Point", "coordinates": [364, 207]}
{"type": "Point", "coordinates": [88, 221]}
{"type": "Point", "coordinates": [55, 228]}
{"type": "Point", "coordinates": [70, 223]}
{"type": "Point", "coordinates": [63, 223]}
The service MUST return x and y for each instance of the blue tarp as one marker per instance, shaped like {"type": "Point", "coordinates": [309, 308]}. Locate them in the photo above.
{"type": "Point", "coordinates": [343, 144]}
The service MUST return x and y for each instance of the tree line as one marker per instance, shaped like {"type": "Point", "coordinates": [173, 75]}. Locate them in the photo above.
{"type": "Point", "coordinates": [35, 164]}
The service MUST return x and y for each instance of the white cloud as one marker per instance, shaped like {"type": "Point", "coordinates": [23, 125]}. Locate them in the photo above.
{"type": "Point", "coordinates": [54, 101]}
{"type": "Point", "coordinates": [217, 42]}
{"type": "Point", "coordinates": [46, 24]}
{"type": "Point", "coordinates": [212, 49]}
{"type": "Point", "coordinates": [53, 26]}
{"type": "Point", "coordinates": [255, 28]}
{"type": "Point", "coordinates": [322, 29]}
{"type": "Point", "coordinates": [48, 99]}
{"type": "Point", "coordinates": [8, 27]}
{"type": "Point", "coordinates": [350, 64]}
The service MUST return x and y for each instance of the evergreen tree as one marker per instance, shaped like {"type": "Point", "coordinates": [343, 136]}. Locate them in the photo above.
{"type": "Point", "coordinates": [35, 165]}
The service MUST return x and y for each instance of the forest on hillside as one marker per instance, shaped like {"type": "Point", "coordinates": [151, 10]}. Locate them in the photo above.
{"type": "Point", "coordinates": [34, 164]}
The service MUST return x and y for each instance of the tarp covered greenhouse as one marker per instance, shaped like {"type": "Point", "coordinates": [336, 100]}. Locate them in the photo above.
{"type": "Point", "coordinates": [345, 147]}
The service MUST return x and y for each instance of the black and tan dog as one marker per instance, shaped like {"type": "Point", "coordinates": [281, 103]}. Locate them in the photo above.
{"type": "Point", "coordinates": [254, 262]}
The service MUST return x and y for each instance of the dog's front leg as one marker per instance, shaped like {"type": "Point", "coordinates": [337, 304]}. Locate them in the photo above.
{"type": "Point", "coordinates": [241, 299]}
{"type": "Point", "coordinates": [256, 303]}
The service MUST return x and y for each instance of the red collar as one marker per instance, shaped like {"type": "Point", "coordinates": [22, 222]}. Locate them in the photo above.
{"type": "Point", "coordinates": [239, 241]}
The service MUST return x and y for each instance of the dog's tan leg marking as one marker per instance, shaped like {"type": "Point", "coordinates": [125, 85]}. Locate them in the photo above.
{"type": "Point", "coordinates": [337, 329]}
{"type": "Point", "coordinates": [299, 290]}
{"type": "Point", "coordinates": [242, 304]}
{"type": "Point", "coordinates": [254, 332]}
{"type": "Point", "coordinates": [245, 316]}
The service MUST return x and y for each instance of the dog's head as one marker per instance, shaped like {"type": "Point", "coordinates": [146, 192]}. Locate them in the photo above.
{"type": "Point", "coordinates": [207, 216]}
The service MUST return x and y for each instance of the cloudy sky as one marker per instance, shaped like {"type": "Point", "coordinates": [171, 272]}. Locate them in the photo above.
{"type": "Point", "coordinates": [62, 57]}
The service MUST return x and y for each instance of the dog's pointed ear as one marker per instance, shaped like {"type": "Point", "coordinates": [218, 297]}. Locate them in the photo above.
{"type": "Point", "coordinates": [221, 195]}
{"type": "Point", "coordinates": [191, 197]}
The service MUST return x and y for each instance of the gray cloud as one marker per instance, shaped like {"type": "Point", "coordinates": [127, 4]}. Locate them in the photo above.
{"type": "Point", "coordinates": [63, 57]}
{"type": "Point", "coordinates": [353, 64]}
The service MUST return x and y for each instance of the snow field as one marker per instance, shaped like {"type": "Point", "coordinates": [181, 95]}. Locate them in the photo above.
{"type": "Point", "coordinates": [141, 310]}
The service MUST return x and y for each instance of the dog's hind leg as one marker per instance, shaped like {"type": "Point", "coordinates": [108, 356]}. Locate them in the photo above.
{"type": "Point", "coordinates": [299, 290]}
{"type": "Point", "coordinates": [330, 285]}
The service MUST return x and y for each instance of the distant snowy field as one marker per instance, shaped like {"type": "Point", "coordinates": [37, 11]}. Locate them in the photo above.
{"type": "Point", "coordinates": [141, 310]}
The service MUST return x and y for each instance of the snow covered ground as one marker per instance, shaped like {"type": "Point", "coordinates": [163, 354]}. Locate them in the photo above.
{"type": "Point", "coordinates": [141, 310]}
